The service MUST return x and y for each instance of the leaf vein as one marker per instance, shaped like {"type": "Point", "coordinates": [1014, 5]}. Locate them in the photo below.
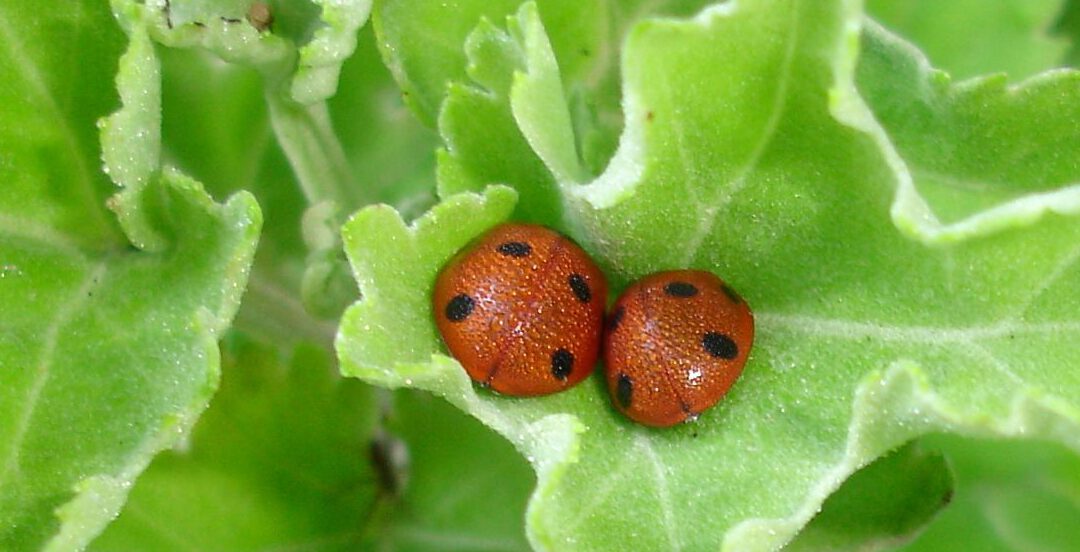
{"type": "Point", "coordinates": [853, 330]}
{"type": "Point", "coordinates": [44, 365]}
{"type": "Point", "coordinates": [603, 490]}
{"type": "Point", "coordinates": [1067, 261]}
{"type": "Point", "coordinates": [29, 70]}
{"type": "Point", "coordinates": [725, 194]}
{"type": "Point", "coordinates": [664, 491]}
{"type": "Point", "coordinates": [982, 352]}
{"type": "Point", "coordinates": [35, 231]}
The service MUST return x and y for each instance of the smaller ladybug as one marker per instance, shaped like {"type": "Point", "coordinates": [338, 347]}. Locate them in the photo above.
{"type": "Point", "coordinates": [676, 342]}
{"type": "Point", "coordinates": [522, 310]}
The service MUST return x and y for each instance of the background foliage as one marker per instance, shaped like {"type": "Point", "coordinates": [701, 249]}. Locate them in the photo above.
{"type": "Point", "coordinates": [894, 187]}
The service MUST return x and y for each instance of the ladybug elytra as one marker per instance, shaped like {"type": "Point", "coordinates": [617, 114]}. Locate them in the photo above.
{"type": "Point", "coordinates": [522, 310]}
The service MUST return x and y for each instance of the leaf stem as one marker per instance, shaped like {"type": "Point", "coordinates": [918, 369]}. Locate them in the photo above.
{"type": "Point", "coordinates": [272, 310]}
{"type": "Point", "coordinates": [314, 152]}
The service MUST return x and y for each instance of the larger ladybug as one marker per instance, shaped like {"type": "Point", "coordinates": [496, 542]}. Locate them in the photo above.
{"type": "Point", "coordinates": [676, 341]}
{"type": "Point", "coordinates": [522, 310]}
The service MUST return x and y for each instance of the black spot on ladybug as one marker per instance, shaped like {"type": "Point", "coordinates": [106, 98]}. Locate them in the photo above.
{"type": "Point", "coordinates": [624, 390]}
{"type": "Point", "coordinates": [459, 307]}
{"type": "Point", "coordinates": [735, 298]}
{"type": "Point", "coordinates": [514, 249]}
{"type": "Point", "coordinates": [562, 362]}
{"type": "Point", "coordinates": [615, 318]}
{"type": "Point", "coordinates": [680, 289]}
{"type": "Point", "coordinates": [720, 345]}
{"type": "Point", "coordinates": [580, 287]}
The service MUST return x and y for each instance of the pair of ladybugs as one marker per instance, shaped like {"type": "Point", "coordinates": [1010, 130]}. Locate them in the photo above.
{"type": "Point", "coordinates": [522, 309]}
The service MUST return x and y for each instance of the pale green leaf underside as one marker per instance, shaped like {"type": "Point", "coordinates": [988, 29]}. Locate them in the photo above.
{"type": "Point", "coordinates": [109, 352]}
{"type": "Point", "coordinates": [749, 151]}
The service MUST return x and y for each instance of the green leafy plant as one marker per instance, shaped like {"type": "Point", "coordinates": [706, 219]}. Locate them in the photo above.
{"type": "Point", "coordinates": [192, 196]}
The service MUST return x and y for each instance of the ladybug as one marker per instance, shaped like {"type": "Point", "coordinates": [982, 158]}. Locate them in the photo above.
{"type": "Point", "coordinates": [522, 310]}
{"type": "Point", "coordinates": [675, 343]}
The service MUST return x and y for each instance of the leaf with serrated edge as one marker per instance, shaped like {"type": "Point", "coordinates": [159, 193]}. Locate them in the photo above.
{"type": "Point", "coordinates": [448, 487]}
{"type": "Point", "coordinates": [1007, 173]}
{"type": "Point", "coordinates": [320, 61]}
{"type": "Point", "coordinates": [299, 57]}
{"type": "Point", "coordinates": [263, 468]}
{"type": "Point", "coordinates": [749, 152]}
{"type": "Point", "coordinates": [388, 338]}
{"type": "Point", "coordinates": [1009, 36]}
{"type": "Point", "coordinates": [112, 351]}
{"type": "Point", "coordinates": [881, 505]}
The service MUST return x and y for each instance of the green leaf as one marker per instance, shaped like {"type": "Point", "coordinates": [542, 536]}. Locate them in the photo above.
{"type": "Point", "coordinates": [972, 37]}
{"type": "Point", "coordinates": [479, 120]}
{"type": "Point", "coordinates": [421, 42]}
{"type": "Point", "coordinates": [881, 505]}
{"type": "Point", "coordinates": [333, 42]}
{"type": "Point", "coordinates": [464, 493]}
{"type": "Point", "coordinates": [109, 352]}
{"type": "Point", "coordinates": [300, 66]}
{"type": "Point", "coordinates": [219, 130]}
{"type": "Point", "coordinates": [297, 61]}
{"type": "Point", "coordinates": [278, 460]}
{"type": "Point", "coordinates": [994, 159]}
{"type": "Point", "coordinates": [1068, 26]}
{"type": "Point", "coordinates": [1014, 495]}
{"type": "Point", "coordinates": [47, 132]}
{"type": "Point", "coordinates": [301, 51]}
{"type": "Point", "coordinates": [390, 151]}
{"type": "Point", "coordinates": [884, 311]}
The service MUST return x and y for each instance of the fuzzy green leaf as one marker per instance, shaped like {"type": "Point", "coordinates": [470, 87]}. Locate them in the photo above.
{"type": "Point", "coordinates": [1010, 36]}
{"type": "Point", "coordinates": [467, 492]}
{"type": "Point", "coordinates": [264, 467]}
{"type": "Point", "coordinates": [1068, 27]}
{"type": "Point", "coordinates": [977, 156]}
{"type": "Point", "coordinates": [756, 148]}
{"type": "Point", "coordinates": [299, 57]}
{"type": "Point", "coordinates": [421, 42]}
{"type": "Point", "coordinates": [1013, 495]}
{"type": "Point", "coordinates": [881, 505]}
{"type": "Point", "coordinates": [219, 130]}
{"type": "Point", "coordinates": [109, 352]}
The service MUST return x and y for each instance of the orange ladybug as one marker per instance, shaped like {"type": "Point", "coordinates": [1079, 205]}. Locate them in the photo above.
{"type": "Point", "coordinates": [522, 310]}
{"type": "Point", "coordinates": [675, 343]}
